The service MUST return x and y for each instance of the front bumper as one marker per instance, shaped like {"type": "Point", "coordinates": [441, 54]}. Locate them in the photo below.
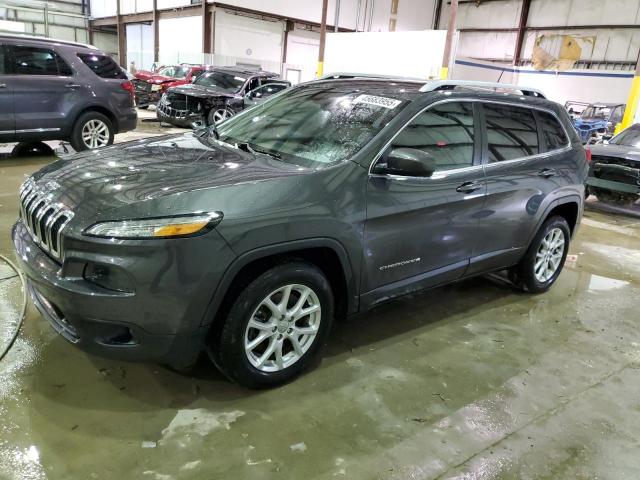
{"type": "Point", "coordinates": [161, 321]}
{"type": "Point", "coordinates": [614, 177]}
{"type": "Point", "coordinates": [145, 97]}
{"type": "Point", "coordinates": [179, 118]}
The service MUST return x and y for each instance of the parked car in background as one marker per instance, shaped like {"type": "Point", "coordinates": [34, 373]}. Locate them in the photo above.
{"type": "Point", "coordinates": [614, 174]}
{"type": "Point", "coordinates": [575, 109]}
{"type": "Point", "coordinates": [248, 239]}
{"type": "Point", "coordinates": [58, 90]}
{"type": "Point", "coordinates": [598, 121]}
{"type": "Point", "coordinates": [217, 95]}
{"type": "Point", "coordinates": [149, 86]}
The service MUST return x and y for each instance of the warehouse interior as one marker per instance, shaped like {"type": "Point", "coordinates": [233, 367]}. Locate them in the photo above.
{"type": "Point", "coordinates": [459, 369]}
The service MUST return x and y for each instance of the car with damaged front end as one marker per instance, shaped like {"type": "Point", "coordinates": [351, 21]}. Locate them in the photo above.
{"type": "Point", "coordinates": [614, 174]}
{"type": "Point", "coordinates": [217, 95]}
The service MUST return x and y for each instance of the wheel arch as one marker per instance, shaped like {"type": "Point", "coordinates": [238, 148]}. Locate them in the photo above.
{"type": "Point", "coordinates": [569, 207]}
{"type": "Point", "coordinates": [325, 253]}
{"type": "Point", "coordinates": [96, 108]}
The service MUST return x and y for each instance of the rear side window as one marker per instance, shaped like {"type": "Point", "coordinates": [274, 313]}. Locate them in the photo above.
{"type": "Point", "coordinates": [102, 65]}
{"type": "Point", "coordinates": [552, 132]}
{"type": "Point", "coordinates": [445, 131]}
{"type": "Point", "coordinates": [511, 132]}
{"type": "Point", "coordinates": [38, 61]}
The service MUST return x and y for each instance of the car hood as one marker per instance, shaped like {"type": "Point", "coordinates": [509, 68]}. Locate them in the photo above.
{"type": "Point", "coordinates": [618, 151]}
{"type": "Point", "coordinates": [153, 78]}
{"type": "Point", "coordinates": [200, 91]}
{"type": "Point", "coordinates": [174, 174]}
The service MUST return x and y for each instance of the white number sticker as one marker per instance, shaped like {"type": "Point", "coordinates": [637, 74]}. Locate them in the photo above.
{"type": "Point", "coordinates": [383, 102]}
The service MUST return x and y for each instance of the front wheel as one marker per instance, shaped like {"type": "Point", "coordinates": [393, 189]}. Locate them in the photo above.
{"type": "Point", "coordinates": [276, 326]}
{"type": "Point", "coordinates": [542, 263]}
{"type": "Point", "coordinates": [219, 114]}
{"type": "Point", "coordinates": [91, 130]}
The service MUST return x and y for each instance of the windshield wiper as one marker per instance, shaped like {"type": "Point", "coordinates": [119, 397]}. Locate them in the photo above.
{"type": "Point", "coordinates": [251, 148]}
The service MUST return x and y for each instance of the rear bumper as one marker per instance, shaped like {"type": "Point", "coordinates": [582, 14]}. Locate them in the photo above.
{"type": "Point", "coordinates": [131, 326]}
{"type": "Point", "coordinates": [127, 120]}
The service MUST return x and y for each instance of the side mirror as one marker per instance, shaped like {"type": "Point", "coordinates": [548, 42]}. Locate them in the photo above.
{"type": "Point", "coordinates": [410, 162]}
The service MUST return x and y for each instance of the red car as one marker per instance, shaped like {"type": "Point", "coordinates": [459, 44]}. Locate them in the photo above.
{"type": "Point", "coordinates": [149, 86]}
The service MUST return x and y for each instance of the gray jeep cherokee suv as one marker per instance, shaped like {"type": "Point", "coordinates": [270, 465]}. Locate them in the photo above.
{"type": "Point", "coordinates": [56, 90]}
{"type": "Point", "coordinates": [325, 200]}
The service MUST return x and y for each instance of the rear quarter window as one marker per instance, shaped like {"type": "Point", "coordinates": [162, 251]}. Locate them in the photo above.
{"type": "Point", "coordinates": [553, 134]}
{"type": "Point", "coordinates": [511, 132]}
{"type": "Point", "coordinates": [102, 65]}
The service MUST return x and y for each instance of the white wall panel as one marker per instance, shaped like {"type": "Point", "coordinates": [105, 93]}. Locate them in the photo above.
{"type": "Point", "coordinates": [415, 14]}
{"type": "Point", "coordinates": [504, 14]}
{"type": "Point", "coordinates": [140, 45]}
{"type": "Point", "coordinates": [302, 53]}
{"type": "Point", "coordinates": [102, 8]}
{"type": "Point", "coordinates": [492, 45]}
{"type": "Point", "coordinates": [180, 40]}
{"type": "Point", "coordinates": [544, 13]}
{"type": "Point", "coordinates": [250, 38]}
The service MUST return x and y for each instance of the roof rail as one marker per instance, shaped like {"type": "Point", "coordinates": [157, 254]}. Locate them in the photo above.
{"type": "Point", "coordinates": [20, 36]}
{"type": "Point", "coordinates": [440, 85]}
{"type": "Point", "coordinates": [373, 76]}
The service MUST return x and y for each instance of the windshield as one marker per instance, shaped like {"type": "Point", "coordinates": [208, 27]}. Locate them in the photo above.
{"type": "Point", "coordinates": [629, 138]}
{"type": "Point", "coordinates": [312, 126]}
{"type": "Point", "coordinates": [596, 112]}
{"type": "Point", "coordinates": [174, 72]}
{"type": "Point", "coordinates": [223, 81]}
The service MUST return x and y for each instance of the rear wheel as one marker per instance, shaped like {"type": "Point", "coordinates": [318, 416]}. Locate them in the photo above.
{"type": "Point", "coordinates": [276, 326]}
{"type": "Point", "coordinates": [91, 130]}
{"type": "Point", "coordinates": [620, 199]}
{"type": "Point", "coordinates": [542, 263]}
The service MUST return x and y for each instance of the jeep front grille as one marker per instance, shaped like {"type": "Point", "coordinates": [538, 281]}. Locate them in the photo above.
{"type": "Point", "coordinates": [45, 220]}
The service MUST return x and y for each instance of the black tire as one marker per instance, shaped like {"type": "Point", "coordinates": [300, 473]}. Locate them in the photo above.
{"type": "Point", "coordinates": [228, 351]}
{"type": "Point", "coordinates": [212, 112]}
{"type": "Point", "coordinates": [619, 199]}
{"type": "Point", "coordinates": [523, 274]}
{"type": "Point", "coordinates": [76, 135]}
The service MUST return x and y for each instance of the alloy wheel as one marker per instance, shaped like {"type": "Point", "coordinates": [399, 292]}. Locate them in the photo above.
{"type": "Point", "coordinates": [222, 114]}
{"type": "Point", "coordinates": [282, 328]}
{"type": "Point", "coordinates": [95, 133]}
{"type": "Point", "coordinates": [549, 255]}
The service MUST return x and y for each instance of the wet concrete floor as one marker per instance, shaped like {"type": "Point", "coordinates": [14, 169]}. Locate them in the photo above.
{"type": "Point", "coordinates": [472, 381]}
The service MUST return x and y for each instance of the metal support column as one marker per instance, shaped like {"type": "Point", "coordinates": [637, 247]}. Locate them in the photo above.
{"type": "Point", "coordinates": [156, 33]}
{"type": "Point", "coordinates": [323, 37]}
{"type": "Point", "coordinates": [632, 101]}
{"type": "Point", "coordinates": [206, 28]}
{"type": "Point", "coordinates": [522, 28]}
{"type": "Point", "coordinates": [448, 46]}
{"type": "Point", "coordinates": [122, 38]}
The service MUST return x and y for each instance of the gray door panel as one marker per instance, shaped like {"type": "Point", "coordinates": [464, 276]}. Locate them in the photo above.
{"type": "Point", "coordinates": [418, 225]}
{"type": "Point", "coordinates": [7, 125]}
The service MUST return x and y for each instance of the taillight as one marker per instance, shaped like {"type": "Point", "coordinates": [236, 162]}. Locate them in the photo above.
{"type": "Point", "coordinates": [588, 150]}
{"type": "Point", "coordinates": [128, 86]}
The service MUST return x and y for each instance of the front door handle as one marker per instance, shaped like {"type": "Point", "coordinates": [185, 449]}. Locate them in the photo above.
{"type": "Point", "coordinates": [3, 85]}
{"type": "Point", "coordinates": [547, 172]}
{"type": "Point", "coordinates": [72, 85]}
{"type": "Point", "coordinates": [468, 187]}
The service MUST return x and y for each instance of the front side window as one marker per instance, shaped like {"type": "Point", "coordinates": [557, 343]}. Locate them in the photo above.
{"type": "Point", "coordinates": [103, 66]}
{"type": "Point", "coordinates": [445, 131]}
{"type": "Point", "coordinates": [313, 126]}
{"type": "Point", "coordinates": [552, 132]}
{"type": "Point", "coordinates": [226, 82]}
{"type": "Point", "coordinates": [38, 61]}
{"type": "Point", "coordinates": [267, 90]}
{"type": "Point", "coordinates": [511, 132]}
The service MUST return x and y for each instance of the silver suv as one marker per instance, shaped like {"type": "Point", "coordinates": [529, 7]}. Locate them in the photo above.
{"type": "Point", "coordinates": [56, 90]}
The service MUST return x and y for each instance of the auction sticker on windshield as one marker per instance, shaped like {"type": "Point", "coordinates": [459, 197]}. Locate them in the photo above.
{"type": "Point", "coordinates": [384, 102]}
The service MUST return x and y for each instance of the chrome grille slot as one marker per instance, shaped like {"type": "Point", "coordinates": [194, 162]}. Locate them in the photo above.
{"type": "Point", "coordinates": [44, 219]}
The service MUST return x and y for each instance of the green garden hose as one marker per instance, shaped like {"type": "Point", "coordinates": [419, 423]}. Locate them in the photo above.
{"type": "Point", "coordinates": [24, 306]}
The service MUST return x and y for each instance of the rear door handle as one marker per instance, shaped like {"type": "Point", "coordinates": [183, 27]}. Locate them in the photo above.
{"type": "Point", "coordinates": [72, 85]}
{"type": "Point", "coordinates": [547, 172]}
{"type": "Point", "coordinates": [3, 85]}
{"type": "Point", "coordinates": [468, 187]}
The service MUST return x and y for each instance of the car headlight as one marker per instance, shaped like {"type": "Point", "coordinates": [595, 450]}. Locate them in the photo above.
{"type": "Point", "coordinates": [164, 227]}
{"type": "Point", "coordinates": [155, 88]}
